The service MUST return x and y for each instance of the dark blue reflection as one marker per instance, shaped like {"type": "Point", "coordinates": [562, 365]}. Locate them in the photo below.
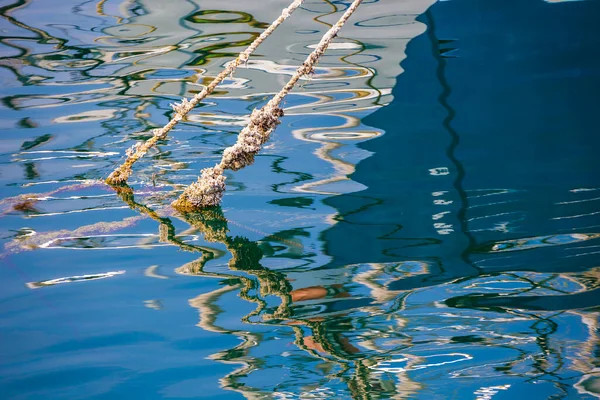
{"type": "Point", "coordinates": [490, 138]}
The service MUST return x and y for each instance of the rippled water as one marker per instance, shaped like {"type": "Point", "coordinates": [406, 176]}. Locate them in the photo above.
{"type": "Point", "coordinates": [425, 230]}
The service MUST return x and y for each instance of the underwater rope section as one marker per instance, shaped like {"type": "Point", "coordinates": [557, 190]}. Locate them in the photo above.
{"type": "Point", "coordinates": [208, 190]}
{"type": "Point", "coordinates": [120, 175]}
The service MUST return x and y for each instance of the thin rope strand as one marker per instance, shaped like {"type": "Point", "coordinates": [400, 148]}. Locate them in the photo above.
{"type": "Point", "coordinates": [122, 173]}
{"type": "Point", "coordinates": [208, 190]}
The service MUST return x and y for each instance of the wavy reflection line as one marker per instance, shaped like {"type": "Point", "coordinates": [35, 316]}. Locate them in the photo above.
{"type": "Point", "coordinates": [34, 197]}
{"type": "Point", "coordinates": [321, 73]}
{"type": "Point", "coordinates": [323, 338]}
{"type": "Point", "coordinates": [447, 123]}
{"type": "Point", "coordinates": [73, 279]}
{"type": "Point", "coordinates": [549, 293]}
{"type": "Point", "coordinates": [100, 11]}
{"type": "Point", "coordinates": [587, 359]}
{"type": "Point", "coordinates": [41, 35]}
{"type": "Point", "coordinates": [385, 366]}
{"type": "Point", "coordinates": [85, 210]}
{"type": "Point", "coordinates": [324, 152]}
{"type": "Point", "coordinates": [264, 282]}
{"type": "Point", "coordinates": [550, 359]}
{"type": "Point", "coordinates": [35, 241]}
{"type": "Point", "coordinates": [536, 242]}
{"type": "Point", "coordinates": [205, 303]}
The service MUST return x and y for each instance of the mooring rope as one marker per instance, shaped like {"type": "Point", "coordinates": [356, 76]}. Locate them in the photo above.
{"type": "Point", "coordinates": [208, 189]}
{"type": "Point", "coordinates": [122, 173]}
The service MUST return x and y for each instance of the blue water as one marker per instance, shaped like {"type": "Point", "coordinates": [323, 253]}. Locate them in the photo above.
{"type": "Point", "coordinates": [424, 224]}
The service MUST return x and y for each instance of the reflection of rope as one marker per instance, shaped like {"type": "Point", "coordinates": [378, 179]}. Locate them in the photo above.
{"type": "Point", "coordinates": [259, 283]}
{"type": "Point", "coordinates": [100, 11]}
{"type": "Point", "coordinates": [122, 173]}
{"type": "Point", "coordinates": [208, 190]}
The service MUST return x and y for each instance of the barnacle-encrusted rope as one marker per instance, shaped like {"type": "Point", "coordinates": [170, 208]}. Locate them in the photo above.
{"type": "Point", "coordinates": [122, 173]}
{"type": "Point", "coordinates": [208, 190]}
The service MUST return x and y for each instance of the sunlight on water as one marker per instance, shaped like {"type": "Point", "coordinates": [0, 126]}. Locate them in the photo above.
{"type": "Point", "coordinates": [415, 228]}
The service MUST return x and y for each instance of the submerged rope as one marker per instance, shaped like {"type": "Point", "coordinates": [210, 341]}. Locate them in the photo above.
{"type": "Point", "coordinates": [208, 189]}
{"type": "Point", "coordinates": [137, 151]}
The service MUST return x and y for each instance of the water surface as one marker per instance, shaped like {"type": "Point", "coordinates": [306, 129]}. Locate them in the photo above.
{"type": "Point", "coordinates": [424, 224]}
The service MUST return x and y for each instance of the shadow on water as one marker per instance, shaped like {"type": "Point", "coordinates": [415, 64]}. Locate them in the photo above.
{"type": "Point", "coordinates": [416, 204]}
{"type": "Point", "coordinates": [461, 258]}
{"type": "Point", "coordinates": [413, 179]}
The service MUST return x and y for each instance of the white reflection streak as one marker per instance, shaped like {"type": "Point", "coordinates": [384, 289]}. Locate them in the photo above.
{"type": "Point", "coordinates": [46, 198]}
{"type": "Point", "coordinates": [324, 152]}
{"type": "Point", "coordinates": [88, 153]}
{"type": "Point", "coordinates": [578, 201]}
{"type": "Point", "coordinates": [108, 56]}
{"type": "Point", "coordinates": [91, 182]}
{"type": "Point", "coordinates": [494, 192]}
{"type": "Point", "coordinates": [73, 279]}
{"type": "Point", "coordinates": [382, 368]}
{"type": "Point", "coordinates": [56, 158]}
{"type": "Point", "coordinates": [321, 73]}
{"type": "Point", "coordinates": [492, 204]}
{"type": "Point", "coordinates": [34, 196]}
{"type": "Point", "coordinates": [77, 211]}
{"type": "Point", "coordinates": [486, 393]}
{"type": "Point", "coordinates": [583, 254]}
{"type": "Point", "coordinates": [327, 98]}
{"type": "Point", "coordinates": [577, 216]}
{"type": "Point", "coordinates": [582, 190]}
{"type": "Point", "coordinates": [48, 244]}
{"type": "Point", "coordinates": [494, 215]}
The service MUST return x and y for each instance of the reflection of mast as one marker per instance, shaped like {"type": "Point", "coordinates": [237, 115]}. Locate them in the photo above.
{"type": "Point", "coordinates": [447, 123]}
{"type": "Point", "coordinates": [245, 272]}
{"type": "Point", "coordinates": [587, 360]}
{"type": "Point", "coordinates": [366, 56]}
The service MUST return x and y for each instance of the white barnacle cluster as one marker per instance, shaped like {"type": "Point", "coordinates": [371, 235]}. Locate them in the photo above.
{"type": "Point", "coordinates": [251, 138]}
{"type": "Point", "coordinates": [159, 133]}
{"type": "Point", "coordinates": [269, 117]}
{"type": "Point", "coordinates": [121, 173]}
{"type": "Point", "coordinates": [236, 157]}
{"type": "Point", "coordinates": [133, 149]}
{"type": "Point", "coordinates": [181, 108]}
{"type": "Point", "coordinates": [286, 12]}
{"type": "Point", "coordinates": [209, 188]}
